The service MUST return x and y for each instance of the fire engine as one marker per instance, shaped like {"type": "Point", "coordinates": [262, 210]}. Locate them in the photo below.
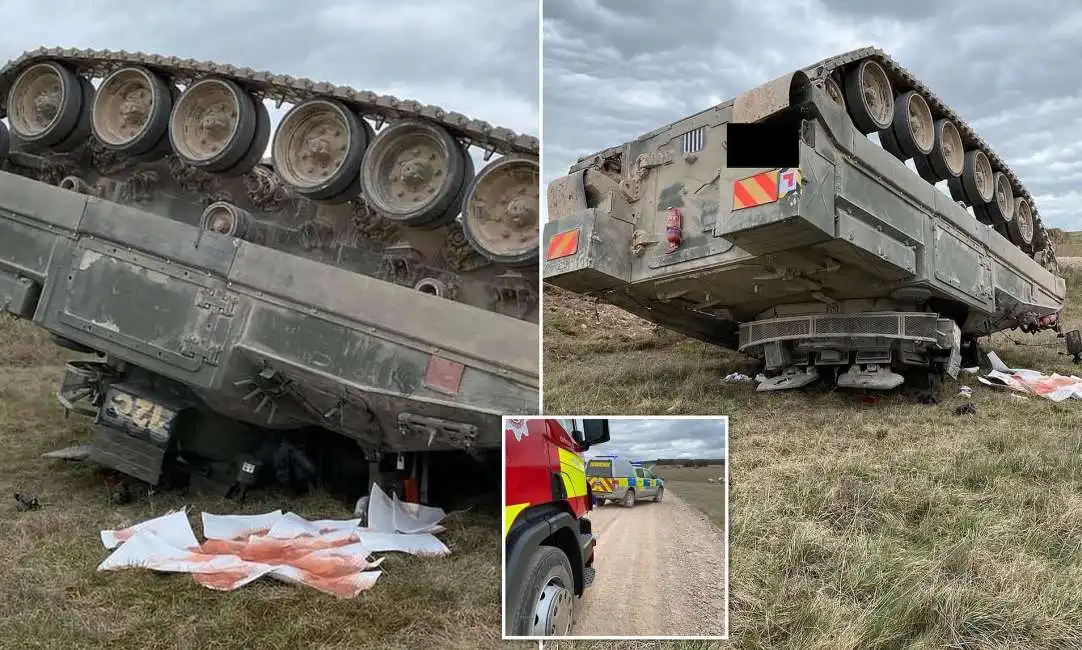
{"type": "Point", "coordinates": [548, 541]}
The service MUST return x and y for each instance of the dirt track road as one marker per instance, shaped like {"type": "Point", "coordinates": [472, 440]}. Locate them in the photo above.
{"type": "Point", "coordinates": [660, 572]}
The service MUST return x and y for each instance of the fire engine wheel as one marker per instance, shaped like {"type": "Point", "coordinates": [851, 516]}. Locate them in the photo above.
{"type": "Point", "coordinates": [629, 498]}
{"type": "Point", "coordinates": [546, 604]}
{"type": "Point", "coordinates": [660, 493]}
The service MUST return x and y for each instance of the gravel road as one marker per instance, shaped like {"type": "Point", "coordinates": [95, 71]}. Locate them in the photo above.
{"type": "Point", "coordinates": [660, 572]}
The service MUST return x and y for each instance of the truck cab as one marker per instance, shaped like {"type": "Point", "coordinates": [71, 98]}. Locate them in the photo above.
{"type": "Point", "coordinates": [548, 539]}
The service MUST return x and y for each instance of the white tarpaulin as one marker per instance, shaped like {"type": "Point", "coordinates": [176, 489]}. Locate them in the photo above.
{"type": "Point", "coordinates": [333, 556]}
{"type": "Point", "coordinates": [1054, 387]}
{"type": "Point", "coordinates": [388, 515]}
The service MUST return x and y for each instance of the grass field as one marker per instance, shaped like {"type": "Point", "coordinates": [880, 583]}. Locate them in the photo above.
{"type": "Point", "coordinates": [53, 597]}
{"type": "Point", "coordinates": [691, 484]}
{"type": "Point", "coordinates": [854, 525]}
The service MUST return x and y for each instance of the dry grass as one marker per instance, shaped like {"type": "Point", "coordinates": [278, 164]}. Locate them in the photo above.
{"type": "Point", "coordinates": [691, 485]}
{"type": "Point", "coordinates": [53, 597]}
{"type": "Point", "coordinates": [855, 525]}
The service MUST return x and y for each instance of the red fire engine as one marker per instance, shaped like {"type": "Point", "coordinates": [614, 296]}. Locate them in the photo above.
{"type": "Point", "coordinates": [548, 541]}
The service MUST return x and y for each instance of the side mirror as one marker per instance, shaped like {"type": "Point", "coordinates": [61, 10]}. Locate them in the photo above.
{"type": "Point", "coordinates": [595, 432]}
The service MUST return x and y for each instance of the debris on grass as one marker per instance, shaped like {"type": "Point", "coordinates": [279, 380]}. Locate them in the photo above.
{"type": "Point", "coordinates": [332, 556]}
{"type": "Point", "coordinates": [1054, 387]}
{"type": "Point", "coordinates": [24, 501]}
{"type": "Point", "coordinates": [966, 409]}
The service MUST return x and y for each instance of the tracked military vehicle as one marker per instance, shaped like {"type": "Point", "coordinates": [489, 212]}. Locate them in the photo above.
{"type": "Point", "coordinates": [773, 224]}
{"type": "Point", "coordinates": [364, 279]}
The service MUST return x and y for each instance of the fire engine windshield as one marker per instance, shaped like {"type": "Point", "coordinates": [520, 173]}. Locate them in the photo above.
{"type": "Point", "coordinates": [599, 468]}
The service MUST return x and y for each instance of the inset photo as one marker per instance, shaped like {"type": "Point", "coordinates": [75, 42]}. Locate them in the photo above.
{"type": "Point", "coordinates": [616, 528]}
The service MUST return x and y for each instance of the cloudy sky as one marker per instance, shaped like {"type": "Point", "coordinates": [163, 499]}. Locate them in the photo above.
{"type": "Point", "coordinates": [477, 57]}
{"type": "Point", "coordinates": [650, 439]}
{"type": "Point", "coordinates": [615, 69]}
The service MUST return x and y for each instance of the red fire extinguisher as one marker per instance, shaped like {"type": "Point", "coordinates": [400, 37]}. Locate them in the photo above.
{"type": "Point", "coordinates": [673, 230]}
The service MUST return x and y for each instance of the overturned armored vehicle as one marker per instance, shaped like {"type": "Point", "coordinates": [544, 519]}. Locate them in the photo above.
{"type": "Point", "coordinates": [364, 280]}
{"type": "Point", "coordinates": [772, 224]}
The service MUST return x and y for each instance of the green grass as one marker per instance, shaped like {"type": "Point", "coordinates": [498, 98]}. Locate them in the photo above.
{"type": "Point", "coordinates": [854, 525]}
{"type": "Point", "coordinates": [53, 597]}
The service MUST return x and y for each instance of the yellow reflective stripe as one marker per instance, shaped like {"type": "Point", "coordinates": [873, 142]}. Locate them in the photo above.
{"type": "Point", "coordinates": [573, 473]}
{"type": "Point", "coordinates": [509, 514]}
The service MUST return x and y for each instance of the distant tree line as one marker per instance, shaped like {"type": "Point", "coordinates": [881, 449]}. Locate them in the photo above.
{"type": "Point", "coordinates": [686, 462]}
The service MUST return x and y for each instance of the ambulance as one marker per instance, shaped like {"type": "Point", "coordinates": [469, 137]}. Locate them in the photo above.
{"type": "Point", "coordinates": [548, 540]}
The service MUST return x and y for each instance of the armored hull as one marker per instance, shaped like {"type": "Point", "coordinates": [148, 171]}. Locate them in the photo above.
{"type": "Point", "coordinates": [362, 280]}
{"type": "Point", "coordinates": [772, 224]}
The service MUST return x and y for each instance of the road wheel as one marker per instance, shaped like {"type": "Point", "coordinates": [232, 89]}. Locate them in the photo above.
{"type": "Point", "coordinates": [660, 493]}
{"type": "Point", "coordinates": [545, 605]}
{"type": "Point", "coordinates": [629, 498]}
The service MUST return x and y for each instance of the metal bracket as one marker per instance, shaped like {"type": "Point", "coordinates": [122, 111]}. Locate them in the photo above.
{"type": "Point", "coordinates": [224, 301]}
{"type": "Point", "coordinates": [512, 294]}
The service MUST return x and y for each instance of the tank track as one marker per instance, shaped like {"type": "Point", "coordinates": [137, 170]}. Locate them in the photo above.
{"type": "Point", "coordinates": [281, 88]}
{"type": "Point", "coordinates": [903, 80]}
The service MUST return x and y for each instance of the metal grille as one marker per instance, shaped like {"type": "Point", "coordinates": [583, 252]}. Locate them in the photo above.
{"type": "Point", "coordinates": [695, 140]}
{"type": "Point", "coordinates": [858, 325]}
{"type": "Point", "coordinates": [921, 326]}
{"type": "Point", "coordinates": [891, 325]}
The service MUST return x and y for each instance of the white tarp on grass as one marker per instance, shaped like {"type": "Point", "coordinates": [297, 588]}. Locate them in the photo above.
{"type": "Point", "coordinates": [332, 556]}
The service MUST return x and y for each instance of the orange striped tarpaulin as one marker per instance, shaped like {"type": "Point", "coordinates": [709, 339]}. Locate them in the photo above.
{"type": "Point", "coordinates": [755, 190]}
{"type": "Point", "coordinates": [563, 244]}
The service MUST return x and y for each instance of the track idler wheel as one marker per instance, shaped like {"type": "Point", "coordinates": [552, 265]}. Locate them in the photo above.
{"type": "Point", "coordinates": [318, 149]}
{"type": "Point", "coordinates": [46, 105]}
{"type": "Point", "coordinates": [1020, 228]}
{"type": "Point", "coordinates": [413, 172]}
{"type": "Point", "coordinates": [213, 125]}
{"type": "Point", "coordinates": [131, 111]}
{"type": "Point", "coordinates": [869, 97]}
{"type": "Point", "coordinates": [501, 213]}
{"type": "Point", "coordinates": [834, 91]}
{"type": "Point", "coordinates": [225, 219]}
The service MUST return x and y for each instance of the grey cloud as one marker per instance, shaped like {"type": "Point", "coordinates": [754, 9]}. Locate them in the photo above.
{"type": "Point", "coordinates": [649, 439]}
{"type": "Point", "coordinates": [477, 57]}
{"type": "Point", "coordinates": [616, 69]}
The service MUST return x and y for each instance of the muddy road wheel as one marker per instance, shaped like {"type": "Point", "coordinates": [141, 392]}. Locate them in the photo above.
{"type": "Point", "coordinates": [869, 97]}
{"type": "Point", "coordinates": [1001, 209]}
{"type": "Point", "coordinates": [45, 104]}
{"type": "Point", "coordinates": [912, 124]}
{"type": "Point", "coordinates": [413, 172]}
{"type": "Point", "coordinates": [225, 219]}
{"type": "Point", "coordinates": [501, 212]}
{"type": "Point", "coordinates": [947, 158]}
{"type": "Point", "coordinates": [131, 111]}
{"type": "Point", "coordinates": [318, 149]}
{"type": "Point", "coordinates": [1020, 227]}
{"type": "Point", "coordinates": [5, 144]}
{"type": "Point", "coordinates": [834, 91]}
{"type": "Point", "coordinates": [977, 178]}
{"type": "Point", "coordinates": [213, 124]}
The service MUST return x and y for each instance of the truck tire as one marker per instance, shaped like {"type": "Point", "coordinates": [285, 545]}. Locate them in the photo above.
{"type": "Point", "coordinates": [660, 493]}
{"type": "Point", "coordinates": [629, 498]}
{"type": "Point", "coordinates": [548, 567]}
